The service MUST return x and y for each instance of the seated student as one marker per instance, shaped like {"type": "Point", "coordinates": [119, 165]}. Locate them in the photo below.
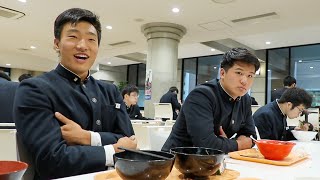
{"type": "Point", "coordinates": [271, 119]}
{"type": "Point", "coordinates": [69, 122]}
{"type": "Point", "coordinates": [213, 112]}
{"type": "Point", "coordinates": [171, 97]}
{"type": "Point", "coordinates": [130, 96]}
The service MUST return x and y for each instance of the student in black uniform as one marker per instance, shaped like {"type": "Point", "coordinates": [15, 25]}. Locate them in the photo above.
{"type": "Point", "coordinates": [271, 119]}
{"type": "Point", "coordinates": [213, 112]}
{"type": "Point", "coordinates": [171, 97]}
{"type": "Point", "coordinates": [130, 95]}
{"type": "Point", "coordinates": [69, 122]}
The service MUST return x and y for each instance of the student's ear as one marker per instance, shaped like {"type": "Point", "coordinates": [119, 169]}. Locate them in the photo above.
{"type": "Point", "coordinates": [126, 96]}
{"type": "Point", "coordinates": [222, 73]}
{"type": "Point", "coordinates": [56, 45]}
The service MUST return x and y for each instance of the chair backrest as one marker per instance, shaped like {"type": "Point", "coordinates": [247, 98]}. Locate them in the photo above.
{"type": "Point", "coordinates": [158, 136]}
{"type": "Point", "coordinates": [8, 144]}
{"type": "Point", "coordinates": [254, 108]}
{"type": "Point", "coordinates": [24, 156]}
{"type": "Point", "coordinates": [163, 110]}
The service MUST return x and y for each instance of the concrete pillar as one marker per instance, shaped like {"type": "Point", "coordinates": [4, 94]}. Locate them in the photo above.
{"type": "Point", "coordinates": [162, 58]}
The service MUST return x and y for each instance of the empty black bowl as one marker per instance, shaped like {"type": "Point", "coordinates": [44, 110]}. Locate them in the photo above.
{"type": "Point", "coordinates": [195, 162]}
{"type": "Point", "coordinates": [133, 166]}
{"type": "Point", "coordinates": [12, 170]}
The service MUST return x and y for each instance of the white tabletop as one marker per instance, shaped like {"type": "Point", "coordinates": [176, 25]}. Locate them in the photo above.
{"type": "Point", "coordinates": [305, 170]}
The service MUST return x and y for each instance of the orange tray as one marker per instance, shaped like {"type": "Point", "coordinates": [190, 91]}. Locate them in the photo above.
{"type": "Point", "coordinates": [228, 174]}
{"type": "Point", "coordinates": [254, 155]}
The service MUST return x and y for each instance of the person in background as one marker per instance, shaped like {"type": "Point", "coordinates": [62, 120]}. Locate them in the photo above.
{"type": "Point", "coordinates": [71, 123]}
{"type": "Point", "coordinates": [7, 94]}
{"type": "Point", "coordinates": [24, 76]}
{"type": "Point", "coordinates": [214, 111]}
{"type": "Point", "coordinates": [130, 95]}
{"type": "Point", "coordinates": [271, 119]}
{"type": "Point", "coordinates": [171, 97]}
{"type": "Point", "coordinates": [288, 82]}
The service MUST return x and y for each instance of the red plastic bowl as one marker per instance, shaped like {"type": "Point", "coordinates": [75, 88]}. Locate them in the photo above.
{"type": "Point", "coordinates": [11, 170]}
{"type": "Point", "coordinates": [275, 150]}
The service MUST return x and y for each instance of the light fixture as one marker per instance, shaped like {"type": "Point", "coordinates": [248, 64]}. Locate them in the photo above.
{"type": "Point", "coordinates": [33, 47]}
{"type": "Point", "coordinates": [214, 67]}
{"type": "Point", "coordinates": [212, 49]}
{"type": "Point", "coordinates": [268, 42]}
{"type": "Point", "coordinates": [109, 27]}
{"type": "Point", "coordinates": [175, 10]}
{"type": "Point", "coordinates": [300, 60]}
{"type": "Point", "coordinates": [258, 72]}
{"type": "Point", "coordinates": [269, 70]}
{"type": "Point", "coordinates": [223, 1]}
{"type": "Point", "coordinates": [23, 1]}
{"type": "Point", "coordinates": [108, 62]}
{"type": "Point", "coordinates": [311, 67]}
{"type": "Point", "coordinates": [8, 64]}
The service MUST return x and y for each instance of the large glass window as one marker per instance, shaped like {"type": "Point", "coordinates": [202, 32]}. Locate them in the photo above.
{"type": "Point", "coordinates": [305, 66]}
{"type": "Point", "coordinates": [137, 76]}
{"type": "Point", "coordinates": [208, 68]}
{"type": "Point", "coordinates": [278, 68]}
{"type": "Point", "coordinates": [189, 68]}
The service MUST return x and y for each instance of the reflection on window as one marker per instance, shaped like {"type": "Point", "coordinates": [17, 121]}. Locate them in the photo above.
{"type": "Point", "coordinates": [189, 76]}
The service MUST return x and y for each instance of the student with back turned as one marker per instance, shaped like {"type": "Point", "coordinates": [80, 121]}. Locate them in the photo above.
{"type": "Point", "coordinates": [69, 122]}
{"type": "Point", "coordinates": [213, 112]}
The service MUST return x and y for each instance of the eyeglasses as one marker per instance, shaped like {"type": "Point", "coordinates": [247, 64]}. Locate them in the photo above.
{"type": "Point", "coordinates": [134, 95]}
{"type": "Point", "coordinates": [300, 111]}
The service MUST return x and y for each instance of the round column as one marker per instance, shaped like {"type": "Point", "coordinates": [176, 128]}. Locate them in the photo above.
{"type": "Point", "coordinates": [162, 59]}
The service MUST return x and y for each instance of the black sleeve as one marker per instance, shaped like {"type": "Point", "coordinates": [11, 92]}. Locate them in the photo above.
{"type": "Point", "coordinates": [198, 110]}
{"type": "Point", "coordinates": [264, 125]}
{"type": "Point", "coordinates": [175, 102]}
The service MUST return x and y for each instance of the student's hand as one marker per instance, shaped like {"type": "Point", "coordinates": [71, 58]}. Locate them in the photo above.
{"type": "Point", "coordinates": [72, 132]}
{"type": "Point", "coordinates": [222, 133]}
{"type": "Point", "coordinates": [304, 127]}
{"type": "Point", "coordinates": [126, 142]}
{"type": "Point", "coordinates": [244, 142]}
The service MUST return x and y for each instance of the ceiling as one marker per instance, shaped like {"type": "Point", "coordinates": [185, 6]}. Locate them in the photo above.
{"type": "Point", "coordinates": [293, 23]}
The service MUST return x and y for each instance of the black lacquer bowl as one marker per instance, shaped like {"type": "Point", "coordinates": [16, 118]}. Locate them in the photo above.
{"type": "Point", "coordinates": [197, 162]}
{"type": "Point", "coordinates": [133, 166]}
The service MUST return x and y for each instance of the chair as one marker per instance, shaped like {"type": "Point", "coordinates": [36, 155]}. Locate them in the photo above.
{"type": "Point", "coordinates": [141, 133]}
{"type": "Point", "coordinates": [163, 110]}
{"type": "Point", "coordinates": [24, 156]}
{"type": "Point", "coordinates": [158, 136]}
{"type": "Point", "coordinates": [8, 144]}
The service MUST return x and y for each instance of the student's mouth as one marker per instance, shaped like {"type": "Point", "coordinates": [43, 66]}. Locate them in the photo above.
{"type": "Point", "coordinates": [81, 57]}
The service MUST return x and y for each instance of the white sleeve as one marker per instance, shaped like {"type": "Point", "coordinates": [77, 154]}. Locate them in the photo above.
{"type": "Point", "coordinates": [109, 150]}
{"type": "Point", "coordinates": [95, 139]}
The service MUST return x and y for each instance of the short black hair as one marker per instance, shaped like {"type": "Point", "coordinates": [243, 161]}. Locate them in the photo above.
{"type": "Point", "coordinates": [4, 75]}
{"type": "Point", "coordinates": [173, 89]}
{"type": "Point", "coordinates": [129, 89]}
{"type": "Point", "coordinates": [73, 16]}
{"type": "Point", "coordinates": [296, 96]}
{"type": "Point", "coordinates": [24, 76]}
{"type": "Point", "coordinates": [289, 80]}
{"type": "Point", "coordinates": [239, 54]}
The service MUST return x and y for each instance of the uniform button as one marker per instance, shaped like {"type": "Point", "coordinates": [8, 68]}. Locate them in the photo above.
{"type": "Point", "coordinates": [232, 121]}
{"type": "Point", "coordinates": [98, 122]}
{"type": "Point", "coordinates": [94, 100]}
{"type": "Point", "coordinates": [84, 85]}
{"type": "Point", "coordinates": [75, 79]}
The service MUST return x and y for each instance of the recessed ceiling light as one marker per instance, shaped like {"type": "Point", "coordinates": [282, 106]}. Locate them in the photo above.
{"type": "Point", "coordinates": [268, 42]}
{"type": "Point", "coordinates": [175, 10]}
{"type": "Point", "coordinates": [108, 62]}
{"type": "Point", "coordinates": [212, 49]}
{"type": "Point", "coordinates": [311, 67]}
{"type": "Point", "coordinates": [23, 1]}
{"type": "Point", "coordinates": [215, 67]}
{"type": "Point", "coordinates": [109, 27]}
{"type": "Point", "coordinates": [8, 64]}
{"type": "Point", "coordinates": [269, 70]}
{"type": "Point", "coordinates": [275, 89]}
{"type": "Point", "coordinates": [33, 47]}
{"type": "Point", "coordinates": [300, 60]}
{"type": "Point", "coordinates": [223, 1]}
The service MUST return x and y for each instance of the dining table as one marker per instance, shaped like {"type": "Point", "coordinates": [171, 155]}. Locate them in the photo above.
{"type": "Point", "coordinates": [307, 169]}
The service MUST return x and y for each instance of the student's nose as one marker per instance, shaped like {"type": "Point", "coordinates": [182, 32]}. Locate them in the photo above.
{"type": "Point", "coordinates": [244, 80]}
{"type": "Point", "coordinates": [82, 45]}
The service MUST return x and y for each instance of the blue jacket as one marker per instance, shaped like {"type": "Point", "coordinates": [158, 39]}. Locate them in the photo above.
{"type": "Point", "coordinates": [91, 104]}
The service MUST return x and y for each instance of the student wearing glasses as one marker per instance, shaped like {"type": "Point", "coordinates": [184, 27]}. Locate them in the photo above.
{"type": "Point", "coordinates": [271, 119]}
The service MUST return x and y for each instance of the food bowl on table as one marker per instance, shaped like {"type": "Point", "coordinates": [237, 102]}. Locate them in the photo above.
{"type": "Point", "coordinates": [132, 166]}
{"type": "Point", "coordinates": [12, 170]}
{"type": "Point", "coordinates": [195, 162]}
{"type": "Point", "coordinates": [304, 135]}
{"type": "Point", "coordinates": [274, 149]}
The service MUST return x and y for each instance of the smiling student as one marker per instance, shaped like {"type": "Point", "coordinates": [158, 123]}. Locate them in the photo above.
{"type": "Point", "coordinates": [71, 123]}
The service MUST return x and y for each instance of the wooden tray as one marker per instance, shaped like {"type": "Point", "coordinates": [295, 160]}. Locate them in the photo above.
{"type": "Point", "coordinates": [228, 174]}
{"type": "Point", "coordinates": [254, 155]}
